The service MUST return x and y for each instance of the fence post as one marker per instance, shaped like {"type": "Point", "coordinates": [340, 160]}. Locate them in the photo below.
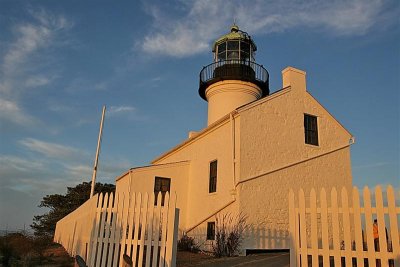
{"type": "Point", "coordinates": [292, 230]}
{"type": "Point", "coordinates": [172, 232]}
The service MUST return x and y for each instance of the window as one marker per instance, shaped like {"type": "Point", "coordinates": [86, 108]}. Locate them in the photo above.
{"type": "Point", "coordinates": [161, 185]}
{"type": "Point", "coordinates": [222, 51]}
{"type": "Point", "coordinates": [310, 130]}
{"type": "Point", "coordinates": [210, 230]}
{"type": "Point", "coordinates": [213, 177]}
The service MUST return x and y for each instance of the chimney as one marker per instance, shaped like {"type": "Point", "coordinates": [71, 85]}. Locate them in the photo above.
{"type": "Point", "coordinates": [294, 78]}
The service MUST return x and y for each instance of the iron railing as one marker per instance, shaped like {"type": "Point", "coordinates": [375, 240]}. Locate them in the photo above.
{"type": "Point", "coordinates": [234, 70]}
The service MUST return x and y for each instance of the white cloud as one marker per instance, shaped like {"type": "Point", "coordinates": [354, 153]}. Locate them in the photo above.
{"type": "Point", "coordinates": [36, 81]}
{"type": "Point", "coordinates": [30, 38]}
{"type": "Point", "coordinates": [120, 109]}
{"type": "Point", "coordinates": [10, 111]}
{"type": "Point", "coordinates": [82, 171]}
{"type": "Point", "coordinates": [372, 165]}
{"type": "Point", "coordinates": [203, 20]}
{"type": "Point", "coordinates": [22, 61]}
{"type": "Point", "coordinates": [50, 150]}
{"type": "Point", "coordinates": [129, 112]}
{"type": "Point", "coordinates": [18, 164]}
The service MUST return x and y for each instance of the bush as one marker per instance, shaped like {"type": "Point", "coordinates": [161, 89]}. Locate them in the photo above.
{"type": "Point", "coordinates": [15, 247]}
{"type": "Point", "coordinates": [228, 234]}
{"type": "Point", "coordinates": [22, 249]}
{"type": "Point", "coordinates": [187, 243]}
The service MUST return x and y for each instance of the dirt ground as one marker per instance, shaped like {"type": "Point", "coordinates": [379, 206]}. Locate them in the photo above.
{"type": "Point", "coordinates": [188, 259]}
{"type": "Point", "coordinates": [58, 257]}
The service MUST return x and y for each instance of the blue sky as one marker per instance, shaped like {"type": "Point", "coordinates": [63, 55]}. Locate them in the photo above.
{"type": "Point", "coordinates": [60, 61]}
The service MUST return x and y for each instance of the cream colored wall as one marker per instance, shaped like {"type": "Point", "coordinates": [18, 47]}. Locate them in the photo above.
{"type": "Point", "coordinates": [225, 96]}
{"type": "Point", "coordinates": [270, 158]}
{"type": "Point", "coordinates": [265, 199]}
{"type": "Point", "coordinates": [275, 158]}
{"type": "Point", "coordinates": [142, 180]}
{"type": "Point", "coordinates": [215, 144]}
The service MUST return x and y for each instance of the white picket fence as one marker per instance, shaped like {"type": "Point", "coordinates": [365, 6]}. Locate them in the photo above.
{"type": "Point", "coordinates": [106, 227]}
{"type": "Point", "coordinates": [340, 231]}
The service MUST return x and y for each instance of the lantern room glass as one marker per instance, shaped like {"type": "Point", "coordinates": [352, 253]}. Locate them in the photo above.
{"type": "Point", "coordinates": [236, 50]}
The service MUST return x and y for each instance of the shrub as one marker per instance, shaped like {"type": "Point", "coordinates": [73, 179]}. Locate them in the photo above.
{"type": "Point", "coordinates": [15, 247]}
{"type": "Point", "coordinates": [187, 243]}
{"type": "Point", "coordinates": [228, 234]}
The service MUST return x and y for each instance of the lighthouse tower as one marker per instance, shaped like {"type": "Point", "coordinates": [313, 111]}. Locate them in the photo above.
{"type": "Point", "coordinates": [234, 78]}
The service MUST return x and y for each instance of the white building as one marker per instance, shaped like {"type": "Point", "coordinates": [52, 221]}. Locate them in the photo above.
{"type": "Point", "coordinates": [255, 148]}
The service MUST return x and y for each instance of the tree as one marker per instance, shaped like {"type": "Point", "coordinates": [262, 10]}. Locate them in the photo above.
{"type": "Point", "coordinates": [61, 205]}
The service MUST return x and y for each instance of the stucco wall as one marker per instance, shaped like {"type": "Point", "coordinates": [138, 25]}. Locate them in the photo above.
{"type": "Point", "coordinates": [265, 199]}
{"type": "Point", "coordinates": [261, 154]}
{"type": "Point", "coordinates": [275, 158]}
{"type": "Point", "coordinates": [142, 180]}
{"type": "Point", "coordinates": [215, 144]}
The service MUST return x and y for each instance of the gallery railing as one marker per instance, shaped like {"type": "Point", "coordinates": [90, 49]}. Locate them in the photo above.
{"type": "Point", "coordinates": [234, 70]}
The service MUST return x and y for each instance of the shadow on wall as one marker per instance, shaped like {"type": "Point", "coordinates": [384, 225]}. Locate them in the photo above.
{"type": "Point", "coordinates": [253, 238]}
{"type": "Point", "coordinates": [265, 238]}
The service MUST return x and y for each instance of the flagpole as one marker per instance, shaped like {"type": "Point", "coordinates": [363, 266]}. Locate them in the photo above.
{"type": "Point", "coordinates": [96, 160]}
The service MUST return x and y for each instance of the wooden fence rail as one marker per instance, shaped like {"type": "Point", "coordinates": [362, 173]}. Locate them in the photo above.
{"type": "Point", "coordinates": [339, 231]}
{"type": "Point", "coordinates": [108, 226]}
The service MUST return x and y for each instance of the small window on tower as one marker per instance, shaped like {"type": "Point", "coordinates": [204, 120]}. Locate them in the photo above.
{"type": "Point", "coordinates": [310, 130]}
{"type": "Point", "coordinates": [210, 230]}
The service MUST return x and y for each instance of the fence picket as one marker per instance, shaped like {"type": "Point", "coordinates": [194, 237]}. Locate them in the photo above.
{"type": "Point", "coordinates": [394, 230]}
{"type": "Point", "coordinates": [130, 227]}
{"type": "Point", "coordinates": [292, 229]}
{"type": "Point", "coordinates": [172, 230]}
{"type": "Point", "coordinates": [335, 227]}
{"type": "Point", "coordinates": [368, 227]}
{"type": "Point", "coordinates": [106, 235]}
{"type": "Point", "coordinates": [113, 229]}
{"type": "Point", "coordinates": [101, 229]}
{"type": "Point", "coordinates": [381, 226]}
{"type": "Point", "coordinates": [149, 240]}
{"type": "Point", "coordinates": [143, 228]}
{"type": "Point", "coordinates": [346, 228]}
{"type": "Point", "coordinates": [138, 218]}
{"type": "Point", "coordinates": [314, 228]}
{"type": "Point", "coordinates": [95, 244]}
{"type": "Point", "coordinates": [156, 230]}
{"type": "Point", "coordinates": [357, 228]}
{"type": "Point", "coordinates": [123, 220]}
{"type": "Point", "coordinates": [303, 233]}
{"type": "Point", "coordinates": [164, 230]}
{"type": "Point", "coordinates": [324, 225]}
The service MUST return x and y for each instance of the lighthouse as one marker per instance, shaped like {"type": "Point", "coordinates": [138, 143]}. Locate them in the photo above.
{"type": "Point", "coordinates": [234, 78]}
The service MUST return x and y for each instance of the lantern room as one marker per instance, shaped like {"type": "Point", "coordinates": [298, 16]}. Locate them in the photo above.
{"type": "Point", "coordinates": [236, 45]}
{"type": "Point", "coordinates": [234, 78]}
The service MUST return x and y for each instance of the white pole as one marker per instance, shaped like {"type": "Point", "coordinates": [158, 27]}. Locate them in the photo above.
{"type": "Point", "coordinates": [97, 152]}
